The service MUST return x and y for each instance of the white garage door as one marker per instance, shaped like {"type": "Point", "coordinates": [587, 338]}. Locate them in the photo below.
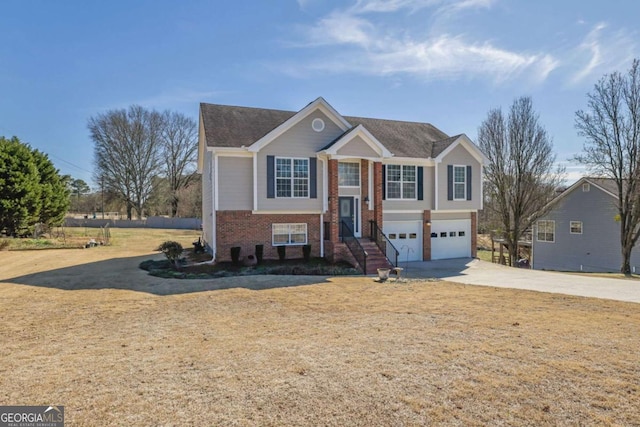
{"type": "Point", "coordinates": [451, 238]}
{"type": "Point", "coordinates": [406, 236]}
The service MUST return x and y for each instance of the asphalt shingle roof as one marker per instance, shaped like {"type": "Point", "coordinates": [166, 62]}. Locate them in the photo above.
{"type": "Point", "coordinates": [229, 126]}
{"type": "Point", "coordinates": [606, 183]}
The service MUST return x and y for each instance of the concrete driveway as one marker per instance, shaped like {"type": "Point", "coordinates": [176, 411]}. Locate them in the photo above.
{"type": "Point", "coordinates": [475, 272]}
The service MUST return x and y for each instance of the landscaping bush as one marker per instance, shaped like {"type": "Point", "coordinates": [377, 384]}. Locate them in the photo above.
{"type": "Point", "coordinates": [306, 252]}
{"type": "Point", "coordinates": [172, 250]}
{"type": "Point", "coordinates": [282, 252]}
{"type": "Point", "coordinates": [259, 254]}
{"type": "Point", "coordinates": [235, 255]}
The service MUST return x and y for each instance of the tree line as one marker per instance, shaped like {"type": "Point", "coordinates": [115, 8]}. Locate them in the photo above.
{"type": "Point", "coordinates": [136, 150]}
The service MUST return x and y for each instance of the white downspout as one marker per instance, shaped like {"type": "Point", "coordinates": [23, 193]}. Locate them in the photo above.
{"type": "Point", "coordinates": [322, 235]}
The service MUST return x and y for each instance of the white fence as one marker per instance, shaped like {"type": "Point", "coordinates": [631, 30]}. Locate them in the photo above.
{"type": "Point", "coordinates": [150, 222]}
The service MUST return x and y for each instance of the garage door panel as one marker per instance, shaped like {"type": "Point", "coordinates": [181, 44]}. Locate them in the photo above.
{"type": "Point", "coordinates": [451, 239]}
{"type": "Point", "coordinates": [406, 236]}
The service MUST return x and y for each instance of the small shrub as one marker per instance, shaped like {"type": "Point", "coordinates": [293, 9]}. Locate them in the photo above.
{"type": "Point", "coordinates": [172, 250]}
{"type": "Point", "coordinates": [4, 244]}
{"type": "Point", "coordinates": [235, 254]}
{"type": "Point", "coordinates": [282, 252]}
{"type": "Point", "coordinates": [306, 252]}
{"type": "Point", "coordinates": [259, 253]}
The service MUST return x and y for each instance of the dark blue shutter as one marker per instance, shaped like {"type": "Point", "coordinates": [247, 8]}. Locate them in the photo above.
{"type": "Point", "coordinates": [384, 182]}
{"type": "Point", "coordinates": [313, 175]}
{"type": "Point", "coordinates": [271, 177]}
{"type": "Point", "coordinates": [468, 182]}
{"type": "Point", "coordinates": [449, 182]}
{"type": "Point", "coordinates": [420, 183]}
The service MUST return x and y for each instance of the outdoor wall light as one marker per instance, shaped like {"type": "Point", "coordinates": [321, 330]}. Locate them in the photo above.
{"type": "Point", "coordinates": [428, 223]}
{"type": "Point", "coordinates": [366, 199]}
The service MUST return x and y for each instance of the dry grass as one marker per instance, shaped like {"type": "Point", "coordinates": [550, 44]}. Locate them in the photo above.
{"type": "Point", "coordinates": [343, 351]}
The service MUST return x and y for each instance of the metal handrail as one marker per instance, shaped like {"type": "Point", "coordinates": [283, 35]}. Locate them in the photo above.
{"type": "Point", "coordinates": [356, 249]}
{"type": "Point", "coordinates": [379, 237]}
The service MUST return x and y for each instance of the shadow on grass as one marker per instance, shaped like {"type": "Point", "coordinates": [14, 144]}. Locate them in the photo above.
{"type": "Point", "coordinates": [437, 269]}
{"type": "Point", "coordinates": [124, 274]}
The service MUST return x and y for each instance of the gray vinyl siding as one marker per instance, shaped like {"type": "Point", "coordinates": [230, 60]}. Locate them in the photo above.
{"type": "Point", "coordinates": [402, 216]}
{"type": "Point", "coordinates": [357, 148]}
{"type": "Point", "coordinates": [207, 197]}
{"type": "Point", "coordinates": [459, 156]}
{"type": "Point", "coordinates": [236, 183]}
{"type": "Point", "coordinates": [597, 249]}
{"type": "Point", "coordinates": [428, 186]}
{"type": "Point", "coordinates": [301, 141]}
{"type": "Point", "coordinates": [450, 215]}
{"type": "Point", "coordinates": [348, 191]}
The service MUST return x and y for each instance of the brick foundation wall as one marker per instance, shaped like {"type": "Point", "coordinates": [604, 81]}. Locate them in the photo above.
{"type": "Point", "coordinates": [245, 229]}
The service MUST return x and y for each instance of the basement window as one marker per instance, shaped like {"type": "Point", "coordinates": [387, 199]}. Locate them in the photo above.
{"type": "Point", "coordinates": [289, 234]}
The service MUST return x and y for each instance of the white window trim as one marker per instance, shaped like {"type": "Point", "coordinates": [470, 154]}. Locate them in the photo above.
{"type": "Point", "coordinates": [292, 179]}
{"type": "Point", "coordinates": [538, 231]}
{"type": "Point", "coordinates": [464, 183]}
{"type": "Point", "coordinates": [571, 227]}
{"type": "Point", "coordinates": [386, 190]}
{"type": "Point", "coordinates": [359, 176]}
{"type": "Point", "coordinates": [289, 226]}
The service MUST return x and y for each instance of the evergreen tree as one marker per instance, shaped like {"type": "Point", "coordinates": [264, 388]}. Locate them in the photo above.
{"type": "Point", "coordinates": [31, 189]}
{"type": "Point", "coordinates": [20, 188]}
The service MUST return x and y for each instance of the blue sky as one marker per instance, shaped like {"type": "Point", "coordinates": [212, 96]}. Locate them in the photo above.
{"type": "Point", "coordinates": [446, 62]}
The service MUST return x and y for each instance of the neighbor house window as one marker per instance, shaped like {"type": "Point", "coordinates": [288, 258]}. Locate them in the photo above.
{"type": "Point", "coordinates": [575, 227]}
{"type": "Point", "coordinates": [459, 183]}
{"type": "Point", "coordinates": [546, 231]}
{"type": "Point", "coordinates": [401, 182]}
{"type": "Point", "coordinates": [292, 177]}
{"type": "Point", "coordinates": [289, 234]}
{"type": "Point", "coordinates": [348, 174]}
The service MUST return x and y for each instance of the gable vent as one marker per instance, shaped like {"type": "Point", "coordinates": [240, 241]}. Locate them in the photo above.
{"type": "Point", "coordinates": [586, 187]}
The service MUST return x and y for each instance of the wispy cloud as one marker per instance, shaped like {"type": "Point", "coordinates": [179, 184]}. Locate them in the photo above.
{"type": "Point", "coordinates": [338, 28]}
{"type": "Point", "coordinates": [602, 52]}
{"type": "Point", "coordinates": [370, 47]}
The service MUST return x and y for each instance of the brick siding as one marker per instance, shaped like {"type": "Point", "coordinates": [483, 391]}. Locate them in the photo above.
{"type": "Point", "coordinates": [426, 236]}
{"type": "Point", "coordinates": [245, 229]}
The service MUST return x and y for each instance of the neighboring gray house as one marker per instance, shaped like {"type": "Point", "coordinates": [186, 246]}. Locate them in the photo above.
{"type": "Point", "coordinates": [580, 231]}
{"type": "Point", "coordinates": [290, 178]}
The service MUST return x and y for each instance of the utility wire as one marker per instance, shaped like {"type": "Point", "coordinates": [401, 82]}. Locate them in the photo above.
{"type": "Point", "coordinates": [69, 163]}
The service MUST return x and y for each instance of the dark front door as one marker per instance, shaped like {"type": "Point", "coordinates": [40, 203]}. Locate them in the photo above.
{"type": "Point", "coordinates": [347, 212]}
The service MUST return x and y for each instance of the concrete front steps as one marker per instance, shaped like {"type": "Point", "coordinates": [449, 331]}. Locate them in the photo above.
{"type": "Point", "coordinates": [376, 258]}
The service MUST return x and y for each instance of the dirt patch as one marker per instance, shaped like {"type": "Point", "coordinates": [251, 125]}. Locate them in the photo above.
{"type": "Point", "coordinates": [336, 351]}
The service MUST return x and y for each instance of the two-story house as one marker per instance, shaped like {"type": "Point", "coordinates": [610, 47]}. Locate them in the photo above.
{"type": "Point", "coordinates": [290, 178]}
{"type": "Point", "coordinates": [580, 230]}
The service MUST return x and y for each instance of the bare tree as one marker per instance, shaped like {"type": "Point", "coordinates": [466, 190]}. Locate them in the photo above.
{"type": "Point", "coordinates": [521, 176]}
{"type": "Point", "coordinates": [180, 149]}
{"type": "Point", "coordinates": [611, 127]}
{"type": "Point", "coordinates": [127, 148]}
